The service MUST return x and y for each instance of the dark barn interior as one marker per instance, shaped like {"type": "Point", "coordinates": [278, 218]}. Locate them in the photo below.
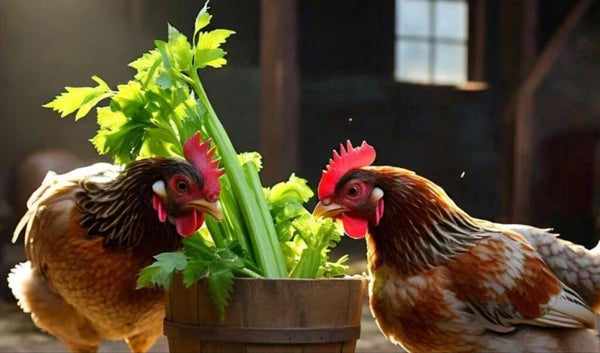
{"type": "Point", "coordinates": [514, 139]}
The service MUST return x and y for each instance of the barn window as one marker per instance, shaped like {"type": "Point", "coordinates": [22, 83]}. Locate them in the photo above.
{"type": "Point", "coordinates": [432, 41]}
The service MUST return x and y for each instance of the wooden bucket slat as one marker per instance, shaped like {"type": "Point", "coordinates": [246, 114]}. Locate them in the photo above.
{"type": "Point", "coordinates": [266, 315]}
{"type": "Point", "coordinates": [184, 303]}
{"type": "Point", "coordinates": [263, 334]}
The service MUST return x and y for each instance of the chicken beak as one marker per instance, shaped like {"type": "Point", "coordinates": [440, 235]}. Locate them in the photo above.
{"type": "Point", "coordinates": [331, 210]}
{"type": "Point", "coordinates": [210, 208]}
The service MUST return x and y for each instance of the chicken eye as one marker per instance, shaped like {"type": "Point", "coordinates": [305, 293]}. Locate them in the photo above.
{"type": "Point", "coordinates": [181, 186]}
{"type": "Point", "coordinates": [353, 191]}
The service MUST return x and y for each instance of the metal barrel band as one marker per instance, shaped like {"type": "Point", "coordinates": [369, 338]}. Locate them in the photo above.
{"type": "Point", "coordinates": [295, 335]}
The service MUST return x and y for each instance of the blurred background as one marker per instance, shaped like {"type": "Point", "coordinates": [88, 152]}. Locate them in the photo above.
{"type": "Point", "coordinates": [498, 102]}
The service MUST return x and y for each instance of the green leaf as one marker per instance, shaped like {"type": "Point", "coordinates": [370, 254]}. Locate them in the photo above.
{"type": "Point", "coordinates": [220, 286]}
{"type": "Point", "coordinates": [214, 38]}
{"type": "Point", "coordinates": [195, 270]}
{"type": "Point", "coordinates": [203, 19]}
{"type": "Point", "coordinates": [164, 80]}
{"type": "Point", "coordinates": [192, 121]}
{"type": "Point", "coordinates": [147, 66]}
{"type": "Point", "coordinates": [162, 49]}
{"type": "Point", "coordinates": [196, 248]}
{"type": "Point", "coordinates": [334, 269]}
{"type": "Point", "coordinates": [129, 97]}
{"type": "Point", "coordinates": [146, 275]}
{"type": "Point", "coordinates": [175, 260]}
{"type": "Point", "coordinates": [251, 157]}
{"type": "Point", "coordinates": [293, 189]}
{"type": "Point", "coordinates": [119, 136]}
{"type": "Point", "coordinates": [161, 271]}
{"type": "Point", "coordinates": [179, 50]}
{"type": "Point", "coordinates": [80, 99]}
{"type": "Point", "coordinates": [157, 143]}
{"type": "Point", "coordinates": [209, 57]}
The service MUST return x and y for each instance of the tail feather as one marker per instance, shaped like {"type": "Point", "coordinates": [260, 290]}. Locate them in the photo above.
{"type": "Point", "coordinates": [31, 290]}
{"type": "Point", "coordinates": [21, 280]}
{"type": "Point", "coordinates": [49, 311]}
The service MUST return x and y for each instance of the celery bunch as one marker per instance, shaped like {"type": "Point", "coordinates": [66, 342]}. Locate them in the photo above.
{"type": "Point", "coordinates": [265, 232]}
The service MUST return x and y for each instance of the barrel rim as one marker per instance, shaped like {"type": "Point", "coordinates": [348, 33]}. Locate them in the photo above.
{"type": "Point", "coordinates": [357, 278]}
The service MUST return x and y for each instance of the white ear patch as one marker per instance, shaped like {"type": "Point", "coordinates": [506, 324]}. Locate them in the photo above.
{"type": "Point", "coordinates": [159, 188]}
{"type": "Point", "coordinates": [376, 194]}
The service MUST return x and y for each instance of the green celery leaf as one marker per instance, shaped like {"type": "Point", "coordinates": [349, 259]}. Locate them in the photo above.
{"type": "Point", "coordinates": [156, 143]}
{"type": "Point", "coordinates": [293, 189]}
{"type": "Point", "coordinates": [334, 269]}
{"type": "Point", "coordinates": [209, 57]}
{"type": "Point", "coordinates": [195, 270]}
{"type": "Point", "coordinates": [82, 99]}
{"type": "Point", "coordinates": [179, 49]}
{"type": "Point", "coordinates": [192, 121]}
{"type": "Point", "coordinates": [290, 210]}
{"type": "Point", "coordinates": [203, 19]}
{"type": "Point", "coordinates": [161, 271]}
{"type": "Point", "coordinates": [306, 229]}
{"type": "Point", "coordinates": [147, 66]}
{"type": "Point", "coordinates": [196, 248]}
{"type": "Point", "coordinates": [251, 157]}
{"type": "Point", "coordinates": [119, 136]}
{"type": "Point", "coordinates": [162, 49]}
{"type": "Point", "coordinates": [129, 98]}
{"type": "Point", "coordinates": [146, 275]}
{"type": "Point", "coordinates": [220, 285]}
{"type": "Point", "coordinates": [232, 260]}
{"type": "Point", "coordinates": [214, 38]}
{"type": "Point", "coordinates": [175, 260]}
{"type": "Point", "coordinates": [164, 80]}
{"type": "Point", "coordinates": [284, 230]}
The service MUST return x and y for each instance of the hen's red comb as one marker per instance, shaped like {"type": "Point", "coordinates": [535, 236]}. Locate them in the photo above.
{"type": "Point", "coordinates": [199, 154]}
{"type": "Point", "coordinates": [349, 158]}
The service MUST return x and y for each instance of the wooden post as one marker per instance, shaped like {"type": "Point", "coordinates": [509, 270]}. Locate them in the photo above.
{"type": "Point", "coordinates": [521, 115]}
{"type": "Point", "coordinates": [518, 49]}
{"type": "Point", "coordinates": [477, 32]}
{"type": "Point", "coordinates": [279, 89]}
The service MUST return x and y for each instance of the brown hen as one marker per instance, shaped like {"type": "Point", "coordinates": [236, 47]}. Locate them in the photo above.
{"type": "Point", "coordinates": [89, 232]}
{"type": "Point", "coordinates": [443, 281]}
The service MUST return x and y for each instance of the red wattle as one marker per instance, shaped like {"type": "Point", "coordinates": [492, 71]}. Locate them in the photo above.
{"type": "Point", "coordinates": [378, 212]}
{"type": "Point", "coordinates": [189, 223]}
{"type": "Point", "coordinates": [354, 227]}
{"type": "Point", "coordinates": [159, 207]}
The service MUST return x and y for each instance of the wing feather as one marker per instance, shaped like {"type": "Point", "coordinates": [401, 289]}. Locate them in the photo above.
{"type": "Point", "coordinates": [515, 286]}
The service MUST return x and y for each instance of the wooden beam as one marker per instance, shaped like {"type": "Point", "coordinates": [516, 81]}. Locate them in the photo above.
{"type": "Point", "coordinates": [524, 114]}
{"type": "Point", "coordinates": [524, 120]}
{"type": "Point", "coordinates": [279, 89]}
{"type": "Point", "coordinates": [477, 30]}
{"type": "Point", "coordinates": [518, 49]}
{"type": "Point", "coordinates": [546, 59]}
{"type": "Point", "coordinates": [523, 159]}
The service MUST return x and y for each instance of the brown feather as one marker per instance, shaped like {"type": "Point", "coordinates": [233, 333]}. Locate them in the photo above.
{"type": "Point", "coordinates": [120, 211]}
{"type": "Point", "coordinates": [422, 226]}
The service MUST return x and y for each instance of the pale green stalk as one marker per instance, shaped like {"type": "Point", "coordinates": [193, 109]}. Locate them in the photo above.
{"type": "Point", "coordinates": [269, 257]}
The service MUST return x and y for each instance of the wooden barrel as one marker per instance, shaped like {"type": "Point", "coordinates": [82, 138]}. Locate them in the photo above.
{"type": "Point", "coordinates": [267, 315]}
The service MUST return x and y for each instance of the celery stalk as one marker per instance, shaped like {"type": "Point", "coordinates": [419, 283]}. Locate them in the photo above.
{"type": "Point", "coordinates": [257, 188]}
{"type": "Point", "coordinates": [268, 256]}
{"type": "Point", "coordinates": [308, 265]}
{"type": "Point", "coordinates": [216, 231]}
{"type": "Point", "coordinates": [234, 220]}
